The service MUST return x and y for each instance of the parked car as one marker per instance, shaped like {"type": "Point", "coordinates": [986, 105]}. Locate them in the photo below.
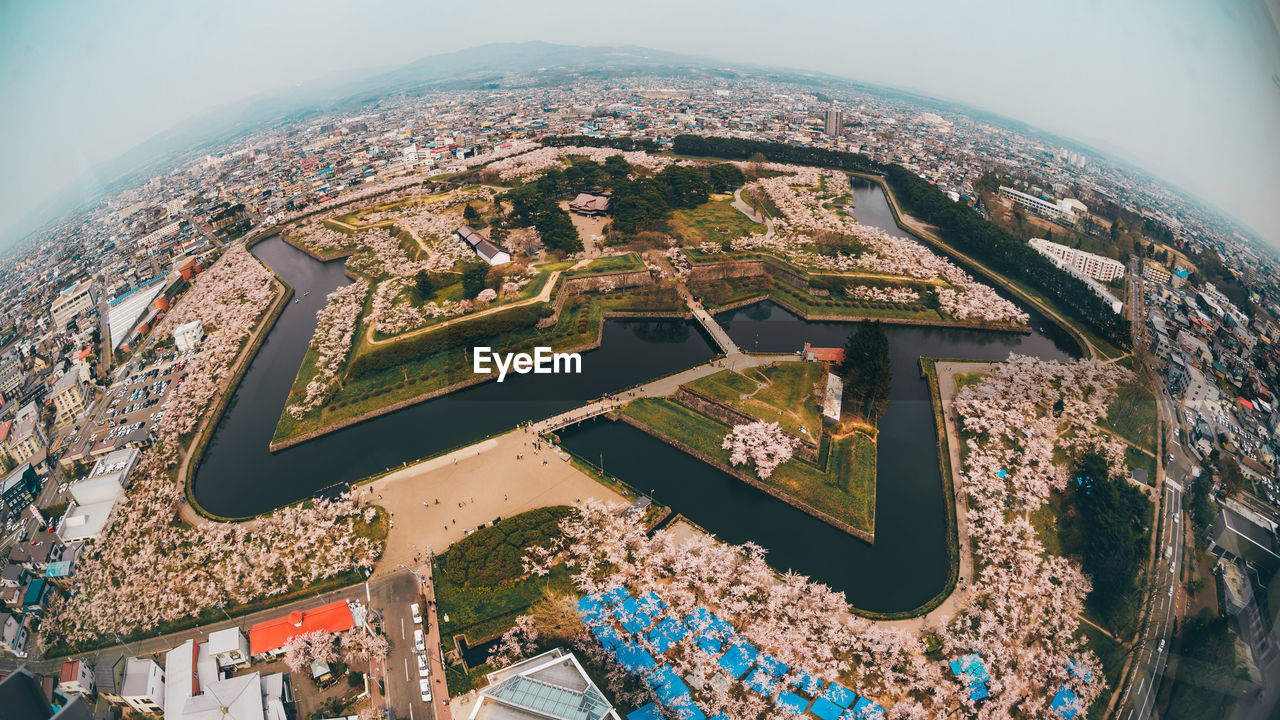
{"type": "Point", "coordinates": [424, 686]}
{"type": "Point", "coordinates": [417, 613]}
{"type": "Point", "coordinates": [423, 670]}
{"type": "Point", "coordinates": [419, 643]}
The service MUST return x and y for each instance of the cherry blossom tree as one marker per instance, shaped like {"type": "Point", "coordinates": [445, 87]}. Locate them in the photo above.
{"type": "Point", "coordinates": [764, 445]}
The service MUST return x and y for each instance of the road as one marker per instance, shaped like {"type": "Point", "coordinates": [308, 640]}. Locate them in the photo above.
{"type": "Point", "coordinates": [1167, 600]}
{"type": "Point", "coordinates": [403, 698]}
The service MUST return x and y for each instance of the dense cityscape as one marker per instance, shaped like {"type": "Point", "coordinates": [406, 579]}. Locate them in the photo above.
{"type": "Point", "coordinates": [883, 407]}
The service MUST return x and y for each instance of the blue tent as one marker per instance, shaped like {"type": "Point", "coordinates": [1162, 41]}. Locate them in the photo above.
{"type": "Point", "coordinates": [699, 619]}
{"type": "Point", "coordinates": [864, 709]}
{"type": "Point", "coordinates": [666, 684]}
{"type": "Point", "coordinates": [591, 610]}
{"type": "Point", "coordinates": [713, 633]}
{"type": "Point", "coordinates": [761, 682]}
{"type": "Point", "coordinates": [1002, 473]}
{"type": "Point", "coordinates": [635, 659]}
{"type": "Point", "coordinates": [825, 709]}
{"type": "Point", "coordinates": [632, 617]}
{"type": "Point", "coordinates": [661, 643]}
{"type": "Point", "coordinates": [788, 700]}
{"type": "Point", "coordinates": [971, 670]}
{"type": "Point", "coordinates": [648, 712]}
{"type": "Point", "coordinates": [608, 636]}
{"type": "Point", "coordinates": [840, 695]}
{"type": "Point", "coordinates": [807, 683]}
{"type": "Point", "coordinates": [1065, 702]}
{"type": "Point", "coordinates": [614, 595]}
{"type": "Point", "coordinates": [738, 660]}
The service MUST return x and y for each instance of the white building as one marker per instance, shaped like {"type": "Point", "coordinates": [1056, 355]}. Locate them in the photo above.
{"type": "Point", "coordinates": [13, 634]}
{"type": "Point", "coordinates": [229, 647]}
{"type": "Point", "coordinates": [75, 677]}
{"type": "Point", "coordinates": [94, 497]}
{"type": "Point", "coordinates": [550, 686]}
{"type": "Point", "coordinates": [70, 302]}
{"type": "Point", "coordinates": [196, 691]}
{"type": "Point", "coordinates": [143, 687]}
{"type": "Point", "coordinates": [1064, 211]}
{"type": "Point", "coordinates": [1086, 263]}
{"type": "Point", "coordinates": [188, 336]}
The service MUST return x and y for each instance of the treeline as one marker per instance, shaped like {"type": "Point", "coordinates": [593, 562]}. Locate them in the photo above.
{"type": "Point", "coordinates": [620, 143]}
{"type": "Point", "coordinates": [960, 226]}
{"type": "Point", "coordinates": [1003, 252]}
{"type": "Point", "coordinates": [646, 203]}
{"type": "Point", "coordinates": [1110, 530]}
{"type": "Point", "coordinates": [381, 357]}
{"type": "Point", "coordinates": [739, 149]}
{"type": "Point", "coordinates": [536, 204]}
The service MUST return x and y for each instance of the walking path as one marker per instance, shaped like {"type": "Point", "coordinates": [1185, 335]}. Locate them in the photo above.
{"type": "Point", "coordinates": [752, 214]}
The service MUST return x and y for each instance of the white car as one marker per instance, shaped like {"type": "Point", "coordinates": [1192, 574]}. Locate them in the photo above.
{"type": "Point", "coordinates": [417, 613]}
{"type": "Point", "coordinates": [423, 670]}
{"type": "Point", "coordinates": [419, 643]}
{"type": "Point", "coordinates": [424, 686]}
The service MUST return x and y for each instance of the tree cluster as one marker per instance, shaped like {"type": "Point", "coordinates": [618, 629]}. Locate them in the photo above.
{"type": "Point", "coordinates": [493, 555]}
{"type": "Point", "coordinates": [866, 371]}
{"type": "Point", "coordinates": [646, 203]}
{"type": "Point", "coordinates": [1112, 526]}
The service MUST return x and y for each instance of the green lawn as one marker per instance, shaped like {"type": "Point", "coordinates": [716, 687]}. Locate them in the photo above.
{"type": "Point", "coordinates": [783, 393]}
{"type": "Point", "coordinates": [844, 489]}
{"type": "Point", "coordinates": [713, 221]}
{"type": "Point", "coordinates": [1132, 415]}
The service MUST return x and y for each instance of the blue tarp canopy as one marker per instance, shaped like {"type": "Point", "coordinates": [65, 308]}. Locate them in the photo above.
{"type": "Point", "coordinates": [762, 682]}
{"type": "Point", "coordinates": [591, 609]}
{"type": "Point", "coordinates": [699, 619]}
{"type": "Point", "coordinates": [652, 603]}
{"type": "Point", "coordinates": [864, 709]}
{"type": "Point", "coordinates": [973, 672]}
{"type": "Point", "coordinates": [788, 700]}
{"type": "Point", "coordinates": [712, 632]}
{"type": "Point", "coordinates": [634, 658]}
{"type": "Point", "coordinates": [614, 595]}
{"type": "Point", "coordinates": [667, 685]}
{"type": "Point", "coordinates": [1083, 673]}
{"type": "Point", "coordinates": [648, 712]}
{"type": "Point", "coordinates": [687, 709]}
{"type": "Point", "coordinates": [632, 617]}
{"type": "Point", "coordinates": [825, 709]}
{"type": "Point", "coordinates": [775, 667]}
{"type": "Point", "coordinates": [808, 683]}
{"type": "Point", "coordinates": [978, 691]}
{"type": "Point", "coordinates": [840, 695]}
{"type": "Point", "coordinates": [608, 636]}
{"type": "Point", "coordinates": [666, 633]}
{"type": "Point", "coordinates": [739, 659]}
{"type": "Point", "coordinates": [1065, 703]}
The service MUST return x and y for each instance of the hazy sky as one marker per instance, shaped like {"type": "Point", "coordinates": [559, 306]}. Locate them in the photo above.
{"type": "Point", "coordinates": [1181, 87]}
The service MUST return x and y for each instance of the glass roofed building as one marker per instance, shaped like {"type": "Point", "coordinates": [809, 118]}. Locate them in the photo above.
{"type": "Point", "coordinates": [550, 686]}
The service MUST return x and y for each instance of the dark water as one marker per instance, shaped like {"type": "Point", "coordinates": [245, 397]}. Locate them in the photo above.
{"type": "Point", "coordinates": [907, 564]}
{"type": "Point", "coordinates": [239, 477]}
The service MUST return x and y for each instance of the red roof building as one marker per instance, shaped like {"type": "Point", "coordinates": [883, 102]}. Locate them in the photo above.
{"type": "Point", "coordinates": [831, 355]}
{"type": "Point", "coordinates": [271, 635]}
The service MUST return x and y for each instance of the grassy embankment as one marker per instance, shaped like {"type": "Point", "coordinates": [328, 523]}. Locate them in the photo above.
{"type": "Point", "coordinates": [482, 588]}
{"type": "Point", "coordinates": [843, 487]}
{"type": "Point", "coordinates": [1132, 415]}
{"type": "Point", "coordinates": [782, 393]}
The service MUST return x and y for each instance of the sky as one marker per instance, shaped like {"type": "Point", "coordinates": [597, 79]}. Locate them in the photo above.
{"type": "Point", "coordinates": [1181, 88]}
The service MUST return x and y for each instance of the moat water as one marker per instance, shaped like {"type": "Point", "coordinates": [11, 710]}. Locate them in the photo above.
{"type": "Point", "coordinates": [903, 568]}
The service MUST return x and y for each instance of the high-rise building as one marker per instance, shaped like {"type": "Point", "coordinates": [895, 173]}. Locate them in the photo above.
{"type": "Point", "coordinates": [834, 122]}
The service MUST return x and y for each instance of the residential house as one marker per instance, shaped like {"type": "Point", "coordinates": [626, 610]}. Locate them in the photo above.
{"type": "Point", "coordinates": [483, 247]}
{"type": "Point", "coordinates": [143, 687]}
{"type": "Point", "coordinates": [229, 647]}
{"type": "Point", "coordinates": [13, 634]}
{"type": "Point", "coordinates": [23, 696]}
{"type": "Point", "coordinates": [75, 678]}
{"type": "Point", "coordinates": [194, 689]}
{"type": "Point", "coordinates": [37, 596]}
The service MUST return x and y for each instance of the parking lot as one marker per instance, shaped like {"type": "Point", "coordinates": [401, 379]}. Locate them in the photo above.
{"type": "Point", "coordinates": [130, 408]}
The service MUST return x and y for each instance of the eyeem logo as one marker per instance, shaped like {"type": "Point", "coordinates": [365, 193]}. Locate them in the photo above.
{"type": "Point", "coordinates": [541, 362]}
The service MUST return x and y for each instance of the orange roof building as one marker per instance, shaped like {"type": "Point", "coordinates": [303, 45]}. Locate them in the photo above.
{"type": "Point", "coordinates": [831, 355]}
{"type": "Point", "coordinates": [271, 635]}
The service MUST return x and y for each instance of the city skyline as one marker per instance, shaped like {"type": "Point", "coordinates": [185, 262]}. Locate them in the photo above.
{"type": "Point", "coordinates": [1205, 67]}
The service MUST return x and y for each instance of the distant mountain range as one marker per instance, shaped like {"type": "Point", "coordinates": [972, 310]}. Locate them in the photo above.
{"type": "Point", "coordinates": [485, 66]}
